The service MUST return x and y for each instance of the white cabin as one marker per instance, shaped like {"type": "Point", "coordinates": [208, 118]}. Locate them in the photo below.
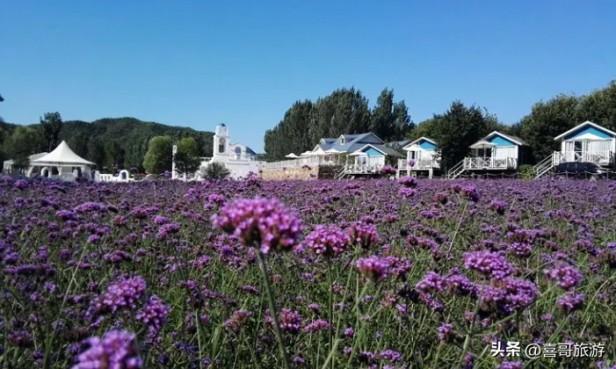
{"type": "Point", "coordinates": [495, 152]}
{"type": "Point", "coordinates": [587, 142]}
{"type": "Point", "coordinates": [421, 155]}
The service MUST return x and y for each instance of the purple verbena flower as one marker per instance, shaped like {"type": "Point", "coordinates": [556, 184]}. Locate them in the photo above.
{"type": "Point", "coordinates": [327, 240]}
{"type": "Point", "coordinates": [115, 350]}
{"type": "Point", "coordinates": [259, 221]}
{"type": "Point", "coordinates": [566, 276]}
{"type": "Point", "coordinates": [123, 293]}
{"type": "Point", "coordinates": [364, 234]}
{"type": "Point", "coordinates": [153, 315]}
{"type": "Point", "coordinates": [289, 320]}
{"type": "Point", "coordinates": [492, 264]}
{"type": "Point", "coordinates": [374, 267]}
{"type": "Point", "coordinates": [571, 301]}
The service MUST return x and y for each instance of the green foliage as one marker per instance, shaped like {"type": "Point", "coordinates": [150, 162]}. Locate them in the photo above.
{"type": "Point", "coordinates": [158, 157]}
{"type": "Point", "coordinates": [291, 134]}
{"type": "Point", "coordinates": [546, 121]}
{"type": "Point", "coordinates": [526, 171]}
{"type": "Point", "coordinates": [555, 116]}
{"type": "Point", "coordinates": [24, 141]}
{"type": "Point", "coordinates": [187, 158]}
{"type": "Point", "coordinates": [390, 120]}
{"type": "Point", "coordinates": [343, 111]}
{"type": "Point", "coordinates": [51, 125]}
{"type": "Point", "coordinates": [215, 171]}
{"type": "Point", "coordinates": [456, 130]}
{"type": "Point", "coordinates": [116, 143]}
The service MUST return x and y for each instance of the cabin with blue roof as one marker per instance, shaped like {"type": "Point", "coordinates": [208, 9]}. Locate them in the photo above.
{"type": "Point", "coordinates": [587, 142]}
{"type": "Point", "coordinates": [422, 155]}
{"type": "Point", "coordinates": [495, 153]}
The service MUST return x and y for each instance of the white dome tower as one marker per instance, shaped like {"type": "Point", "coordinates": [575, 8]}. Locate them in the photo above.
{"type": "Point", "coordinates": [221, 140]}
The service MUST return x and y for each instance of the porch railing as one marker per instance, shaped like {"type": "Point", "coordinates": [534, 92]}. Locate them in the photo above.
{"type": "Point", "coordinates": [421, 164]}
{"type": "Point", "coordinates": [363, 168]}
{"type": "Point", "coordinates": [489, 163]}
{"type": "Point", "coordinates": [604, 157]}
{"type": "Point", "coordinates": [310, 161]}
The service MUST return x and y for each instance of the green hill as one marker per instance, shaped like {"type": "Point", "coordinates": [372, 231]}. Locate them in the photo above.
{"type": "Point", "coordinates": [114, 142]}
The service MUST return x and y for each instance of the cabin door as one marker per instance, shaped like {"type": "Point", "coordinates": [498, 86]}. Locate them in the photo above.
{"type": "Point", "coordinates": [580, 150]}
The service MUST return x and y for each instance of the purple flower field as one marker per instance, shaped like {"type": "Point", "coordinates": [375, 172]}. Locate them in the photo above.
{"type": "Point", "coordinates": [305, 274]}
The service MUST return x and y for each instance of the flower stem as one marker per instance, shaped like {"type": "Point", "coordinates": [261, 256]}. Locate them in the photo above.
{"type": "Point", "coordinates": [272, 308]}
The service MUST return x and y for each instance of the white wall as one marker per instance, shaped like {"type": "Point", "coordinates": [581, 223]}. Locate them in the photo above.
{"type": "Point", "coordinates": [503, 152]}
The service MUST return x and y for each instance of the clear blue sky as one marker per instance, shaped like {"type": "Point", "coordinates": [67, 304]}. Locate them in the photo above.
{"type": "Point", "coordinates": [198, 63]}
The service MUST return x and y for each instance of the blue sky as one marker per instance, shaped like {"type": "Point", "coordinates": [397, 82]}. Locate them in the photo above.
{"type": "Point", "coordinates": [198, 63]}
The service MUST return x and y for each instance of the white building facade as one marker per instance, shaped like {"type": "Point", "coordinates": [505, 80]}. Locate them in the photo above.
{"type": "Point", "coordinates": [239, 159]}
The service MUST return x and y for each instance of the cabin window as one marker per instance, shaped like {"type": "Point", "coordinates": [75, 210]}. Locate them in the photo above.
{"type": "Point", "coordinates": [54, 171]}
{"type": "Point", "coordinates": [484, 153]}
{"type": "Point", "coordinates": [413, 155]}
{"type": "Point", "coordinates": [577, 146]}
{"type": "Point", "coordinates": [221, 145]}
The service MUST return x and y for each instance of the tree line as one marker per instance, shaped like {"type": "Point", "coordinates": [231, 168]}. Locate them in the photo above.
{"type": "Point", "coordinates": [128, 143]}
{"type": "Point", "coordinates": [343, 111]}
{"type": "Point", "coordinates": [346, 111]}
{"type": "Point", "coordinates": [111, 143]}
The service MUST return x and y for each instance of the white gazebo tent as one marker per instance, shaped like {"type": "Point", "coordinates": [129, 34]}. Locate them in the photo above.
{"type": "Point", "coordinates": [61, 163]}
{"type": "Point", "coordinates": [291, 156]}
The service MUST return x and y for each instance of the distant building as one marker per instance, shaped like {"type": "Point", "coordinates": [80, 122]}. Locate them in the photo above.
{"type": "Point", "coordinates": [587, 143]}
{"type": "Point", "coordinates": [239, 159]}
{"type": "Point", "coordinates": [62, 163]}
{"type": "Point", "coordinates": [495, 153]}
{"type": "Point", "coordinates": [422, 155]}
{"type": "Point", "coordinates": [8, 166]}
{"type": "Point", "coordinates": [225, 151]}
{"type": "Point", "coordinates": [356, 154]}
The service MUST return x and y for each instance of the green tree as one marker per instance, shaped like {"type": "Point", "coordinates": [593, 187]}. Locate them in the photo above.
{"type": "Point", "coordinates": [382, 117]}
{"type": "Point", "coordinates": [51, 124]}
{"type": "Point", "coordinates": [187, 158]}
{"type": "Point", "coordinates": [96, 152]}
{"type": "Point", "coordinates": [599, 107]}
{"type": "Point", "coordinates": [305, 123]}
{"type": "Point", "coordinates": [216, 171]}
{"type": "Point", "coordinates": [23, 142]}
{"type": "Point", "coordinates": [343, 111]}
{"type": "Point", "coordinates": [1, 120]}
{"type": "Point", "coordinates": [290, 135]}
{"type": "Point", "coordinates": [546, 121]}
{"type": "Point", "coordinates": [114, 155]}
{"type": "Point", "coordinates": [159, 155]}
{"type": "Point", "coordinates": [402, 120]}
{"type": "Point", "coordinates": [456, 130]}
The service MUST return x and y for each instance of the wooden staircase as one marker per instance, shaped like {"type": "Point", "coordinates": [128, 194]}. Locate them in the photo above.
{"type": "Point", "coordinates": [457, 170]}
{"type": "Point", "coordinates": [546, 165]}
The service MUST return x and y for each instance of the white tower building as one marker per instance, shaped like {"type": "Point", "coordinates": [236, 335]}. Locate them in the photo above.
{"type": "Point", "coordinates": [221, 141]}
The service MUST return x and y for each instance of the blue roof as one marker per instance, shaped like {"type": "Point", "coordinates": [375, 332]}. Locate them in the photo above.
{"type": "Point", "coordinates": [587, 127]}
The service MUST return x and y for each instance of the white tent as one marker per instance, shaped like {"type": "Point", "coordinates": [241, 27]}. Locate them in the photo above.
{"type": "Point", "coordinates": [61, 163]}
{"type": "Point", "coordinates": [291, 156]}
{"type": "Point", "coordinates": [62, 155]}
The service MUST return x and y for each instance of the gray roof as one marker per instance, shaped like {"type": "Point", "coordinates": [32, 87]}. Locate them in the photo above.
{"type": "Point", "coordinates": [398, 144]}
{"type": "Point", "coordinates": [352, 142]}
{"type": "Point", "coordinates": [388, 150]}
